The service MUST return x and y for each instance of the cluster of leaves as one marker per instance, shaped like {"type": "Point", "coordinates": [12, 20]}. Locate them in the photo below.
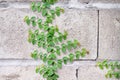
{"type": "Point", "coordinates": [113, 68]}
{"type": "Point", "coordinates": [48, 37]}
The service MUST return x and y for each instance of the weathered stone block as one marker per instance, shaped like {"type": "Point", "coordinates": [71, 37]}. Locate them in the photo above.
{"type": "Point", "coordinates": [19, 73]}
{"type": "Point", "coordinates": [80, 24]}
{"type": "Point", "coordinates": [109, 30]}
{"type": "Point", "coordinates": [28, 73]}
{"type": "Point", "coordinates": [91, 72]}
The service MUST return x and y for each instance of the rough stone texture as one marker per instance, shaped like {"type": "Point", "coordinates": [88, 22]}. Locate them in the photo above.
{"type": "Point", "coordinates": [81, 25]}
{"type": "Point", "coordinates": [82, 70]}
{"type": "Point", "coordinates": [28, 73]}
{"type": "Point", "coordinates": [19, 73]}
{"type": "Point", "coordinates": [91, 72]}
{"type": "Point", "coordinates": [81, 1]}
{"type": "Point", "coordinates": [109, 43]}
{"type": "Point", "coordinates": [14, 32]}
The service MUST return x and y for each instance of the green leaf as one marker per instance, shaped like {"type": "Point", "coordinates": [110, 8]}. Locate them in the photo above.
{"type": "Point", "coordinates": [70, 44]}
{"type": "Point", "coordinates": [39, 21]}
{"type": "Point", "coordinates": [34, 55]}
{"type": "Point", "coordinates": [44, 12]}
{"type": "Point", "coordinates": [37, 69]}
{"type": "Point", "coordinates": [49, 49]}
{"type": "Point", "coordinates": [63, 48]}
{"type": "Point", "coordinates": [33, 6]}
{"type": "Point", "coordinates": [52, 56]}
{"type": "Point", "coordinates": [45, 57]}
{"type": "Point", "coordinates": [33, 23]}
{"type": "Point", "coordinates": [36, 32]}
{"type": "Point", "coordinates": [27, 20]}
{"type": "Point", "coordinates": [75, 44]}
{"type": "Point", "coordinates": [33, 41]}
{"type": "Point", "coordinates": [38, 6]}
{"type": "Point", "coordinates": [65, 35]}
{"type": "Point", "coordinates": [101, 66]}
{"type": "Point", "coordinates": [55, 39]}
{"type": "Point", "coordinates": [65, 60]}
{"type": "Point", "coordinates": [71, 57]}
{"type": "Point", "coordinates": [59, 63]}
{"type": "Point", "coordinates": [51, 62]}
{"type": "Point", "coordinates": [77, 54]}
{"type": "Point", "coordinates": [83, 52]}
{"type": "Point", "coordinates": [52, 11]}
{"type": "Point", "coordinates": [58, 50]}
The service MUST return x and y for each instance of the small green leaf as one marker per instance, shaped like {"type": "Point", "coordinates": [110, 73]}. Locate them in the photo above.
{"type": "Point", "coordinates": [44, 57]}
{"type": "Point", "coordinates": [49, 49]}
{"type": "Point", "coordinates": [71, 57]}
{"type": "Point", "coordinates": [38, 6]}
{"type": "Point", "coordinates": [65, 60]}
{"type": "Point", "coordinates": [27, 20]}
{"type": "Point", "coordinates": [34, 55]}
{"type": "Point", "coordinates": [70, 44]}
{"type": "Point", "coordinates": [37, 69]}
{"type": "Point", "coordinates": [44, 12]}
{"type": "Point", "coordinates": [51, 62]}
{"type": "Point", "coordinates": [58, 50]}
{"type": "Point", "coordinates": [39, 21]}
{"type": "Point", "coordinates": [33, 6]}
{"type": "Point", "coordinates": [77, 54]}
{"type": "Point", "coordinates": [59, 63]}
{"type": "Point", "coordinates": [63, 48]}
{"type": "Point", "coordinates": [52, 56]}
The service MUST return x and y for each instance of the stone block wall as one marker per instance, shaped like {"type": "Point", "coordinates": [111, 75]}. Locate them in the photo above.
{"type": "Point", "coordinates": [95, 23]}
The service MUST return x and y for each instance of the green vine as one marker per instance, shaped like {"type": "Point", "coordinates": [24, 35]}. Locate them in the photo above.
{"type": "Point", "coordinates": [113, 68]}
{"type": "Point", "coordinates": [48, 37]}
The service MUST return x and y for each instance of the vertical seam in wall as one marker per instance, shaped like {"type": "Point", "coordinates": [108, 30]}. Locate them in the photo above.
{"type": "Point", "coordinates": [98, 37]}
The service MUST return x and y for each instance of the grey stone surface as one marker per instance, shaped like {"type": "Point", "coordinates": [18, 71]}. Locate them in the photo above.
{"type": "Point", "coordinates": [13, 34]}
{"type": "Point", "coordinates": [28, 73]}
{"type": "Point", "coordinates": [91, 72]}
{"type": "Point", "coordinates": [80, 24]}
{"type": "Point", "coordinates": [19, 73]}
{"type": "Point", "coordinates": [109, 30]}
{"type": "Point", "coordinates": [66, 1]}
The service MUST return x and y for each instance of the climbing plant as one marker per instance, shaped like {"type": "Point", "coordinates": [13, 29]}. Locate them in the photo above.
{"type": "Point", "coordinates": [112, 67]}
{"type": "Point", "coordinates": [48, 37]}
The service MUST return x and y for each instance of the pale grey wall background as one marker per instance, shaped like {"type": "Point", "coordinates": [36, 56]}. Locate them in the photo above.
{"type": "Point", "coordinates": [95, 23]}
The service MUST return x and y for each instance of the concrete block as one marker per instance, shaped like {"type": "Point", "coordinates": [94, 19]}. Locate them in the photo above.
{"type": "Point", "coordinates": [83, 26]}
{"type": "Point", "coordinates": [109, 38]}
{"type": "Point", "coordinates": [80, 24]}
{"type": "Point", "coordinates": [91, 72]}
{"type": "Point", "coordinates": [28, 73]}
{"type": "Point", "coordinates": [19, 73]}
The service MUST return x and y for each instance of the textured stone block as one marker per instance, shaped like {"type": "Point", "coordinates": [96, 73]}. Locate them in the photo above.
{"type": "Point", "coordinates": [80, 24]}
{"type": "Point", "coordinates": [19, 73]}
{"type": "Point", "coordinates": [109, 30]}
{"type": "Point", "coordinates": [28, 73]}
{"type": "Point", "coordinates": [91, 72]}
